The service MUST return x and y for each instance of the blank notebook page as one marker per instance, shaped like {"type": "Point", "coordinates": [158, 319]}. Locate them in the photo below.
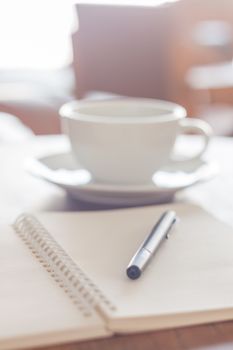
{"type": "Point", "coordinates": [190, 280]}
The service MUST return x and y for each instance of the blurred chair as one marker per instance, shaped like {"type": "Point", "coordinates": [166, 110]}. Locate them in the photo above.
{"type": "Point", "coordinates": [123, 50]}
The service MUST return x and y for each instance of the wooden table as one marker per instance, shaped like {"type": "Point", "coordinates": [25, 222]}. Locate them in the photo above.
{"type": "Point", "coordinates": [21, 192]}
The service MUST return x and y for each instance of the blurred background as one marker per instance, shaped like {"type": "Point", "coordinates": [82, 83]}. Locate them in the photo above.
{"type": "Point", "coordinates": [54, 51]}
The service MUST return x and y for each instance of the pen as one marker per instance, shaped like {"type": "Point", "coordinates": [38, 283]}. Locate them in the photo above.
{"type": "Point", "coordinates": [150, 245]}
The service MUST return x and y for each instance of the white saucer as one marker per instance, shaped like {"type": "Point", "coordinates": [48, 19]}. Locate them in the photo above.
{"type": "Point", "coordinates": [62, 170]}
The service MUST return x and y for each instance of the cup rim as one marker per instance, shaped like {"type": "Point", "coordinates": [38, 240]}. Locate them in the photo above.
{"type": "Point", "coordinates": [174, 111]}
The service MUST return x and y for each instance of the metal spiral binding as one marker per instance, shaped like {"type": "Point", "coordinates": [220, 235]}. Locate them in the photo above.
{"type": "Point", "coordinates": [83, 292]}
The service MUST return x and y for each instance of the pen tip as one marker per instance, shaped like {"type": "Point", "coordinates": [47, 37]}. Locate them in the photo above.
{"type": "Point", "coordinates": [133, 272]}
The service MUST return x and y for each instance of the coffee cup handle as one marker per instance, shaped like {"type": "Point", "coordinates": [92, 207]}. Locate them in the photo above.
{"type": "Point", "coordinates": [196, 126]}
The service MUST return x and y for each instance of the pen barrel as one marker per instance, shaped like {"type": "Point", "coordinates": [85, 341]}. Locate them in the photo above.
{"type": "Point", "coordinates": [141, 260]}
{"type": "Point", "coordinates": [151, 244]}
{"type": "Point", "coordinates": [159, 232]}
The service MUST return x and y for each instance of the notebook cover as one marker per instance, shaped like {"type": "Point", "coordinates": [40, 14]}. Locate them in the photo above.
{"type": "Point", "coordinates": [34, 309]}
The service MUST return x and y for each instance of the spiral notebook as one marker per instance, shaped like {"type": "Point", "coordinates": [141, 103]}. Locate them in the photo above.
{"type": "Point", "coordinates": [63, 275]}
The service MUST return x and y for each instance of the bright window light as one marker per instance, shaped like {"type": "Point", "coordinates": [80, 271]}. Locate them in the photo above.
{"type": "Point", "coordinates": [35, 34]}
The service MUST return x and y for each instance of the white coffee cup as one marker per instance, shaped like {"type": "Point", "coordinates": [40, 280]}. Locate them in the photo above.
{"type": "Point", "coordinates": [125, 141]}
